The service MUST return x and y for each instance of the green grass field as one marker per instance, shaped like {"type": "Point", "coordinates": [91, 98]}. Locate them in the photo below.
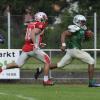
{"type": "Point", "coordinates": [56, 92]}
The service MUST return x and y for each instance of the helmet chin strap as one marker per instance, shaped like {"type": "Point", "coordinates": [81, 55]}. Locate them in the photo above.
{"type": "Point", "coordinates": [81, 26]}
{"type": "Point", "coordinates": [84, 27]}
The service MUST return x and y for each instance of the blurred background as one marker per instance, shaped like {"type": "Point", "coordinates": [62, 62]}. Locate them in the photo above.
{"type": "Point", "coordinates": [14, 15]}
{"type": "Point", "coordinates": [60, 14]}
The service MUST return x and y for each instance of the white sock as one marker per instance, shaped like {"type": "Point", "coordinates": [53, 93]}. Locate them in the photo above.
{"type": "Point", "coordinates": [45, 78]}
{"type": "Point", "coordinates": [40, 69]}
{"type": "Point", "coordinates": [4, 67]}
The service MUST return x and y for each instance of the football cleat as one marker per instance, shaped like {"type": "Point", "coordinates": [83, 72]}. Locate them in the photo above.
{"type": "Point", "coordinates": [37, 73]}
{"type": "Point", "coordinates": [48, 83]}
{"type": "Point", "coordinates": [94, 85]}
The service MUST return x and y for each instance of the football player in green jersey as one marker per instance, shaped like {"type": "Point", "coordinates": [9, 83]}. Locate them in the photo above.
{"type": "Point", "coordinates": [76, 34]}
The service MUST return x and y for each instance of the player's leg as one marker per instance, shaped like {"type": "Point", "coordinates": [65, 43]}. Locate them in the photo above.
{"type": "Point", "coordinates": [65, 60]}
{"type": "Point", "coordinates": [42, 56]}
{"type": "Point", "coordinates": [37, 73]}
{"type": "Point", "coordinates": [85, 57]}
{"type": "Point", "coordinates": [16, 64]}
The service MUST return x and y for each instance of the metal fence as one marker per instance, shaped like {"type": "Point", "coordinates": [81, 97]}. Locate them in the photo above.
{"type": "Point", "coordinates": [13, 28]}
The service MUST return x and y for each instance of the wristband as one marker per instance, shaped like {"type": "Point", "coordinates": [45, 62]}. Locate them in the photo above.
{"type": "Point", "coordinates": [36, 45]}
{"type": "Point", "coordinates": [64, 44]}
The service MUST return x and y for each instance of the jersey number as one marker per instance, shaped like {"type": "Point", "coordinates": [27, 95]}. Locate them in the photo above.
{"type": "Point", "coordinates": [28, 32]}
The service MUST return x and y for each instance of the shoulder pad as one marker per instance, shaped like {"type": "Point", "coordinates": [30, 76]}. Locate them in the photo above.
{"type": "Point", "coordinates": [31, 25]}
{"type": "Point", "coordinates": [40, 25]}
{"type": "Point", "coordinates": [73, 28]}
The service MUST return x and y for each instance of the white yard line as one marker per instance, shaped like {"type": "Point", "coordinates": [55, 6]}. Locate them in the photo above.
{"type": "Point", "coordinates": [24, 97]}
{"type": "Point", "coordinates": [2, 93]}
{"type": "Point", "coordinates": [18, 96]}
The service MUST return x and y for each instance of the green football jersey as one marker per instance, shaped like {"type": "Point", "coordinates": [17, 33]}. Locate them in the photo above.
{"type": "Point", "coordinates": [76, 38]}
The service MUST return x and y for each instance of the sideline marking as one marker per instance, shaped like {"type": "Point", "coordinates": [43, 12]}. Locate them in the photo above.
{"type": "Point", "coordinates": [18, 96]}
{"type": "Point", "coordinates": [25, 98]}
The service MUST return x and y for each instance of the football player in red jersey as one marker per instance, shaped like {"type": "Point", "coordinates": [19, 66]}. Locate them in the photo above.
{"type": "Point", "coordinates": [33, 39]}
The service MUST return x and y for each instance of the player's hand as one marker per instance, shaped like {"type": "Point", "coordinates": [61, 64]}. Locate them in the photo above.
{"type": "Point", "coordinates": [42, 45]}
{"type": "Point", "coordinates": [63, 48]}
{"type": "Point", "coordinates": [35, 46]}
{"type": "Point", "coordinates": [88, 34]}
{"type": "Point", "coordinates": [2, 38]}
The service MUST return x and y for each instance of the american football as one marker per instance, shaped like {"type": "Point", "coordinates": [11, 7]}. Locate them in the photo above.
{"type": "Point", "coordinates": [88, 34]}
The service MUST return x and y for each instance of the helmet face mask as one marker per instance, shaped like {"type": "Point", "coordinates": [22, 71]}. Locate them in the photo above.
{"type": "Point", "coordinates": [82, 22]}
{"type": "Point", "coordinates": [44, 19]}
{"type": "Point", "coordinates": [41, 17]}
{"type": "Point", "coordinates": [79, 20]}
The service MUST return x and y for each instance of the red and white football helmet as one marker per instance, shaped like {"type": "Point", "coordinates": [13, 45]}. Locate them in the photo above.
{"type": "Point", "coordinates": [41, 17]}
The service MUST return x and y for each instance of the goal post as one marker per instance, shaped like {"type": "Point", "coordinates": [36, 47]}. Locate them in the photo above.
{"type": "Point", "coordinates": [95, 37]}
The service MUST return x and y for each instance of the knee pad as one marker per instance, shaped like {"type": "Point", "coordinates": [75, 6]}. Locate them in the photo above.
{"type": "Point", "coordinates": [92, 61]}
{"type": "Point", "coordinates": [18, 64]}
{"type": "Point", "coordinates": [47, 59]}
{"type": "Point", "coordinates": [60, 65]}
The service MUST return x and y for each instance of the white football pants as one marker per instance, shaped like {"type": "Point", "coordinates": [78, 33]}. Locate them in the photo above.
{"type": "Point", "coordinates": [38, 53]}
{"type": "Point", "coordinates": [75, 53]}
